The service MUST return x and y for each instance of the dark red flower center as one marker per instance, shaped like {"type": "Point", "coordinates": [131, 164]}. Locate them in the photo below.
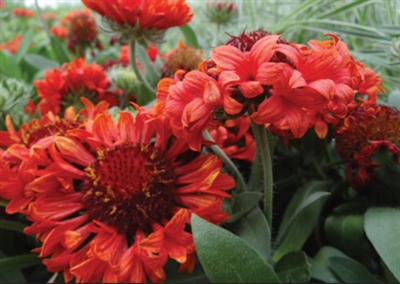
{"type": "Point", "coordinates": [130, 187]}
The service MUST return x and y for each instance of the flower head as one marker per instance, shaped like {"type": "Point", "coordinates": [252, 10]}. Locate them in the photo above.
{"type": "Point", "coordinates": [63, 88]}
{"type": "Point", "coordinates": [367, 122]}
{"type": "Point", "coordinates": [118, 197]}
{"type": "Point", "coordinates": [23, 12]}
{"type": "Point", "coordinates": [12, 45]}
{"type": "Point", "coordinates": [146, 19]}
{"type": "Point", "coordinates": [221, 12]}
{"type": "Point", "coordinates": [183, 57]}
{"type": "Point", "coordinates": [82, 30]}
{"type": "Point", "coordinates": [59, 31]}
{"type": "Point", "coordinates": [362, 134]}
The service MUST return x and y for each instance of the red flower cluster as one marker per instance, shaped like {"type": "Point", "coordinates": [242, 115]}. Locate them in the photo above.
{"type": "Point", "coordinates": [288, 87]}
{"type": "Point", "coordinates": [23, 12]}
{"type": "Point", "coordinates": [361, 134]}
{"type": "Point", "coordinates": [12, 45]}
{"type": "Point", "coordinates": [111, 201]}
{"type": "Point", "coordinates": [64, 87]}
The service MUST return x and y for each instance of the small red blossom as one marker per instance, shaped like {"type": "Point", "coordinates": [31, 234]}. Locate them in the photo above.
{"type": "Point", "coordinates": [12, 45]}
{"type": "Point", "coordinates": [60, 32]}
{"type": "Point", "coordinates": [23, 12]}
{"type": "Point", "coordinates": [64, 87]}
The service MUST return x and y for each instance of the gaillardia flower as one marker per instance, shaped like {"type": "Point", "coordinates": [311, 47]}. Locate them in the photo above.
{"type": "Point", "coordinates": [12, 45]}
{"type": "Point", "coordinates": [221, 13]}
{"type": "Point", "coordinates": [63, 88]}
{"type": "Point", "coordinates": [361, 134]}
{"type": "Point", "coordinates": [183, 57]}
{"type": "Point", "coordinates": [82, 31]}
{"type": "Point", "coordinates": [145, 19]}
{"type": "Point", "coordinates": [116, 198]}
{"type": "Point", "coordinates": [23, 12]}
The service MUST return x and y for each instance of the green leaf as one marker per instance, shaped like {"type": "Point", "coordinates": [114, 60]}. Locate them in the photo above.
{"type": "Point", "coordinates": [12, 225]}
{"type": "Point", "coordinates": [153, 74]}
{"type": "Point", "coordinates": [227, 258]}
{"type": "Point", "coordinates": [300, 219]}
{"type": "Point", "coordinates": [346, 232]}
{"type": "Point", "coordinates": [243, 203]}
{"type": "Point", "coordinates": [293, 267]}
{"type": "Point", "coordinates": [8, 66]}
{"type": "Point", "coordinates": [14, 276]}
{"type": "Point", "coordinates": [40, 62]}
{"type": "Point", "coordinates": [320, 269]}
{"type": "Point", "coordinates": [18, 262]}
{"type": "Point", "coordinates": [254, 229]}
{"type": "Point", "coordinates": [382, 226]}
{"type": "Point", "coordinates": [24, 46]}
{"type": "Point", "coordinates": [394, 98]}
{"type": "Point", "coordinates": [60, 51]}
{"type": "Point", "coordinates": [343, 8]}
{"type": "Point", "coordinates": [190, 36]}
{"type": "Point", "coordinates": [350, 271]}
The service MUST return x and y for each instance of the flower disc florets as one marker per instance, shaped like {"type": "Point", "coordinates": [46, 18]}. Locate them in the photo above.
{"type": "Point", "coordinates": [129, 187]}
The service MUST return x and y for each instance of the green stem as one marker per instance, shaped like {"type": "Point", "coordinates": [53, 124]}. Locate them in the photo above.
{"type": "Point", "coordinates": [228, 162]}
{"type": "Point", "coordinates": [265, 155]}
{"type": "Point", "coordinates": [149, 91]}
{"type": "Point", "coordinates": [41, 19]}
{"type": "Point", "coordinates": [216, 35]}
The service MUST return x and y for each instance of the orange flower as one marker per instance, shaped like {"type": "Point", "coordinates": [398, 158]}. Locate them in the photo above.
{"type": "Point", "coordinates": [183, 57]}
{"type": "Point", "coordinates": [142, 18]}
{"type": "Point", "coordinates": [23, 12]}
{"type": "Point", "coordinates": [62, 88]}
{"type": "Point", "coordinates": [191, 104]}
{"type": "Point", "coordinates": [12, 45]}
{"type": "Point", "coordinates": [24, 156]}
{"type": "Point", "coordinates": [121, 200]}
{"type": "Point", "coordinates": [124, 55]}
{"type": "Point", "coordinates": [60, 32]}
{"type": "Point", "coordinates": [234, 138]}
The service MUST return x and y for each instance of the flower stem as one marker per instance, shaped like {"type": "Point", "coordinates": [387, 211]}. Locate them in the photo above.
{"type": "Point", "coordinates": [228, 162]}
{"type": "Point", "coordinates": [265, 155]}
{"type": "Point", "coordinates": [149, 92]}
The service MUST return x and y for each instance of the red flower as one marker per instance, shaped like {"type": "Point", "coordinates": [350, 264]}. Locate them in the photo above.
{"type": "Point", "coordinates": [191, 104]}
{"type": "Point", "coordinates": [112, 200]}
{"type": "Point", "coordinates": [64, 87]}
{"type": "Point", "coordinates": [82, 31]}
{"type": "Point", "coordinates": [149, 14]}
{"type": "Point", "coordinates": [23, 12]}
{"type": "Point", "coordinates": [12, 45]}
{"type": "Point", "coordinates": [361, 134]}
{"type": "Point", "coordinates": [133, 18]}
{"type": "Point", "coordinates": [60, 32]}
{"type": "Point", "coordinates": [235, 139]}
{"type": "Point", "coordinates": [368, 122]}
{"type": "Point", "coordinates": [362, 171]}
